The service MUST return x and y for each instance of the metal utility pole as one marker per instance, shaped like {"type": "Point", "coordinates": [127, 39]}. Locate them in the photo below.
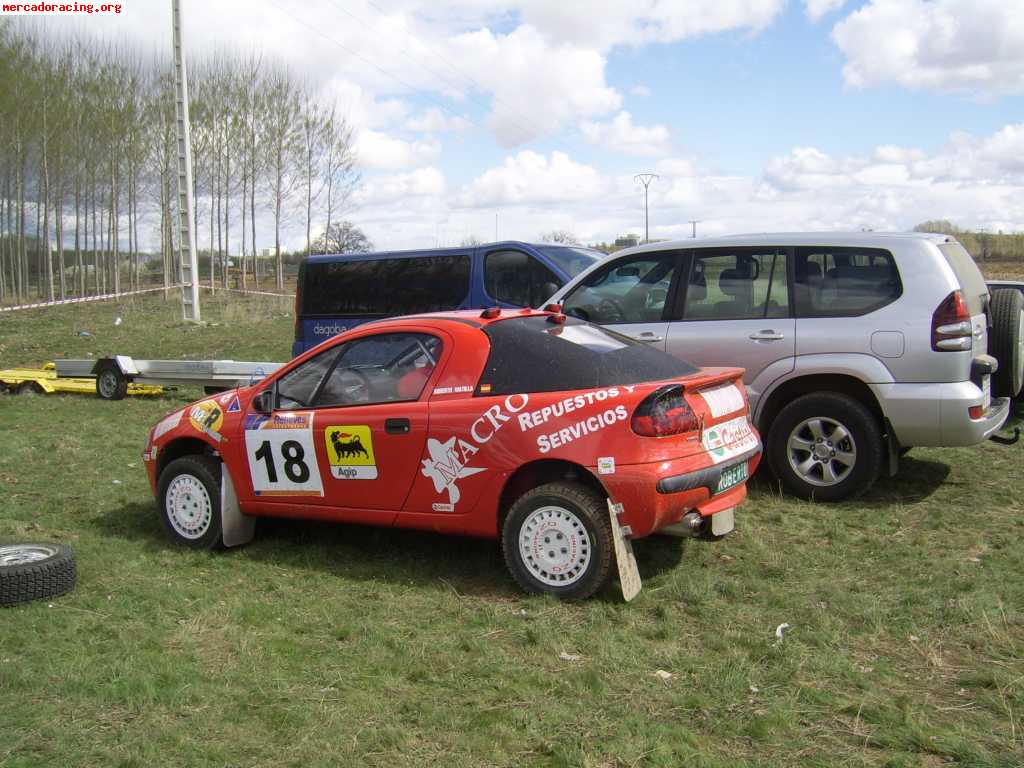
{"type": "Point", "coordinates": [646, 179]}
{"type": "Point", "coordinates": [186, 205]}
{"type": "Point", "coordinates": [694, 223]}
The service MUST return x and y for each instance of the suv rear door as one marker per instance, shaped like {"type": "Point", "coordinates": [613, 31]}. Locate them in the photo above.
{"type": "Point", "coordinates": [733, 309]}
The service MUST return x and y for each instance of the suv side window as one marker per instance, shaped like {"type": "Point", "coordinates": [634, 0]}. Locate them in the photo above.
{"type": "Point", "coordinates": [518, 278]}
{"type": "Point", "coordinates": [844, 282]}
{"type": "Point", "coordinates": [742, 284]}
{"type": "Point", "coordinates": [628, 291]}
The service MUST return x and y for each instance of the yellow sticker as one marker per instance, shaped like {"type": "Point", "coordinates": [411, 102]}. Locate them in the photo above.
{"type": "Point", "coordinates": [350, 451]}
{"type": "Point", "coordinates": [207, 417]}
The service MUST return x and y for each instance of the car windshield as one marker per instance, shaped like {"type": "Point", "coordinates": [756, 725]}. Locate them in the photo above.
{"type": "Point", "coordinates": [569, 259]}
{"type": "Point", "coordinates": [533, 354]}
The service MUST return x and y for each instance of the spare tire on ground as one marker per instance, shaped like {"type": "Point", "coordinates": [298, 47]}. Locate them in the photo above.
{"type": "Point", "coordinates": [1006, 341]}
{"type": "Point", "coordinates": [35, 571]}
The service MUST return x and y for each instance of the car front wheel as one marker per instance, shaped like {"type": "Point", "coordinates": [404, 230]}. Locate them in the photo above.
{"type": "Point", "coordinates": [557, 540]}
{"type": "Point", "coordinates": [826, 446]}
{"type": "Point", "coordinates": [189, 497]}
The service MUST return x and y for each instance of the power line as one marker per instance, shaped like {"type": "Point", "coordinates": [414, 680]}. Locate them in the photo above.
{"type": "Point", "coordinates": [526, 127]}
{"type": "Point", "coordinates": [293, 16]}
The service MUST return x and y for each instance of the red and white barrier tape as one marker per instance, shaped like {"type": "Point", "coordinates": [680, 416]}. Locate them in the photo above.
{"type": "Point", "coordinates": [107, 296]}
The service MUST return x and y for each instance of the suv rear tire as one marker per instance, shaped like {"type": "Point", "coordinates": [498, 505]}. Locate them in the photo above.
{"type": "Point", "coordinates": [1006, 340]}
{"type": "Point", "coordinates": [826, 446]}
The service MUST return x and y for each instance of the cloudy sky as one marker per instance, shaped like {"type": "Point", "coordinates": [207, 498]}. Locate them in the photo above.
{"type": "Point", "coordinates": [757, 115]}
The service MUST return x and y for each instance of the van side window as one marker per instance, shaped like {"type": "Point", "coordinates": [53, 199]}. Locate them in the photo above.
{"type": "Point", "coordinates": [844, 282]}
{"type": "Point", "coordinates": [740, 285]}
{"type": "Point", "coordinates": [627, 291]}
{"type": "Point", "coordinates": [385, 287]}
{"type": "Point", "coordinates": [517, 278]}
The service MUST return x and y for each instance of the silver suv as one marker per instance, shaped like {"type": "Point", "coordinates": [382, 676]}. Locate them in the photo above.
{"type": "Point", "coordinates": [856, 346]}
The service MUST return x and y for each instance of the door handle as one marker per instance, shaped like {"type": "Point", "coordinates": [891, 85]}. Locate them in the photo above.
{"type": "Point", "coordinates": [649, 337]}
{"type": "Point", "coordinates": [767, 335]}
{"type": "Point", "coordinates": [396, 426]}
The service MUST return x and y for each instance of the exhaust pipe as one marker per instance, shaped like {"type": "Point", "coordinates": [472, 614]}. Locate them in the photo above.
{"type": "Point", "coordinates": [690, 525]}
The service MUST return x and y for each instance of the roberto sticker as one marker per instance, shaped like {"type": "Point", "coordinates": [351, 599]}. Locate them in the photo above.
{"type": "Point", "coordinates": [350, 450]}
{"type": "Point", "coordinates": [207, 417]}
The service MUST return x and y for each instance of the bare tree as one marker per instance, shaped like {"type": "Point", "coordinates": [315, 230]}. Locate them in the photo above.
{"type": "Point", "coordinates": [561, 236]}
{"type": "Point", "coordinates": [343, 237]}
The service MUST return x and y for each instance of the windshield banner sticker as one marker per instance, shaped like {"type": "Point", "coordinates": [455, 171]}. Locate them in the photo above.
{"type": "Point", "coordinates": [350, 451]}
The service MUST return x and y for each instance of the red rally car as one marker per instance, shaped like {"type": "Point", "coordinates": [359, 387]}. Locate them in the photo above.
{"type": "Point", "coordinates": [512, 424]}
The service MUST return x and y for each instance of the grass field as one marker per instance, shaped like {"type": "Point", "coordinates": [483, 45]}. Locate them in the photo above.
{"type": "Point", "coordinates": [323, 645]}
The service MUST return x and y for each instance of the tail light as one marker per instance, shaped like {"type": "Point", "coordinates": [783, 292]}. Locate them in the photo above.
{"type": "Point", "coordinates": [664, 412]}
{"type": "Point", "coordinates": [951, 325]}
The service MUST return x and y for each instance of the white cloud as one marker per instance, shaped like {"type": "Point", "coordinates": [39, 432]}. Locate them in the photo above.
{"type": "Point", "coordinates": [818, 8]}
{"type": "Point", "coordinates": [970, 46]}
{"type": "Point", "coordinates": [436, 121]}
{"type": "Point", "coordinates": [627, 22]}
{"type": "Point", "coordinates": [378, 150]}
{"type": "Point", "coordinates": [422, 182]}
{"type": "Point", "coordinates": [640, 90]}
{"type": "Point", "coordinates": [621, 135]}
{"type": "Point", "coordinates": [532, 178]}
{"type": "Point", "coordinates": [537, 87]}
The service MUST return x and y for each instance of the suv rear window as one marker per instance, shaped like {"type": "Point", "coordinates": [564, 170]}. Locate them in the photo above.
{"type": "Point", "coordinates": [532, 354]}
{"type": "Point", "coordinates": [843, 282]}
{"type": "Point", "coordinates": [385, 287]}
{"type": "Point", "coordinates": [968, 275]}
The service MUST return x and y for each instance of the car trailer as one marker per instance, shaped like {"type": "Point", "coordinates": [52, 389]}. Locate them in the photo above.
{"type": "Point", "coordinates": [114, 375]}
{"type": "Point", "coordinates": [46, 381]}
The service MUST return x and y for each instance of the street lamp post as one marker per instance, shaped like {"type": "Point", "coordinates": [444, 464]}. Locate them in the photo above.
{"type": "Point", "coordinates": [646, 179]}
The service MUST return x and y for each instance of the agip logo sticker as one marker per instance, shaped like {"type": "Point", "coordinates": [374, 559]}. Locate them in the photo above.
{"type": "Point", "coordinates": [350, 450]}
{"type": "Point", "coordinates": [208, 418]}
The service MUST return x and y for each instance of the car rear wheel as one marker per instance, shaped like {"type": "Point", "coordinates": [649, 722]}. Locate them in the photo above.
{"type": "Point", "coordinates": [189, 497]}
{"type": "Point", "coordinates": [826, 446]}
{"type": "Point", "coordinates": [1006, 341]}
{"type": "Point", "coordinates": [557, 540]}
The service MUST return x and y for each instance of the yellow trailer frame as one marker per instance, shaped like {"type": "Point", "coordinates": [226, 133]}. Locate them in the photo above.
{"type": "Point", "coordinates": [45, 380]}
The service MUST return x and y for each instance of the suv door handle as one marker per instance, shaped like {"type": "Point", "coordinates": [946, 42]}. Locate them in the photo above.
{"type": "Point", "coordinates": [650, 337]}
{"type": "Point", "coordinates": [396, 426]}
{"type": "Point", "coordinates": [767, 335]}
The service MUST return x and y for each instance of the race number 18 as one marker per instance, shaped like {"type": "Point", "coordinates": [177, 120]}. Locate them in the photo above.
{"type": "Point", "coordinates": [282, 462]}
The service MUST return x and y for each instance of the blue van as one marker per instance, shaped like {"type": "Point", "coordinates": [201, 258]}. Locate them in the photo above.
{"type": "Point", "coordinates": [338, 291]}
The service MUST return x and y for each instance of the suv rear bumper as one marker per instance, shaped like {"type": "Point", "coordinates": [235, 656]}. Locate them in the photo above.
{"type": "Point", "coordinates": [937, 414]}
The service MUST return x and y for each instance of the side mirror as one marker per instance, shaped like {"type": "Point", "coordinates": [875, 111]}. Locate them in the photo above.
{"type": "Point", "coordinates": [627, 272]}
{"type": "Point", "coordinates": [265, 401]}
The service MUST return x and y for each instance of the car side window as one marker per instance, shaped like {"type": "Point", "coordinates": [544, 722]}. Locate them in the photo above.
{"type": "Point", "coordinates": [296, 388]}
{"type": "Point", "coordinates": [738, 285]}
{"type": "Point", "coordinates": [517, 278]}
{"type": "Point", "coordinates": [628, 291]}
{"type": "Point", "coordinates": [843, 282]}
{"type": "Point", "coordinates": [384, 368]}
